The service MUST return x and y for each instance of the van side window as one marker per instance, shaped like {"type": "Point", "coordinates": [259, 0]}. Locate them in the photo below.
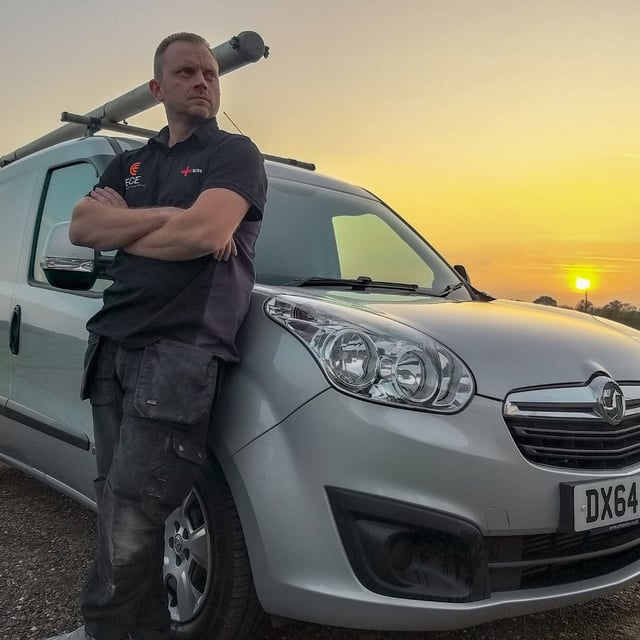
{"type": "Point", "coordinates": [65, 186]}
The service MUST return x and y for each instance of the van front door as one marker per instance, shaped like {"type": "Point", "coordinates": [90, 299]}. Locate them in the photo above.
{"type": "Point", "coordinates": [48, 363]}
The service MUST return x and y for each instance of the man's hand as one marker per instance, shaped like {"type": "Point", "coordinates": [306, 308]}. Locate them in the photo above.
{"type": "Point", "coordinates": [109, 196]}
{"type": "Point", "coordinates": [224, 254]}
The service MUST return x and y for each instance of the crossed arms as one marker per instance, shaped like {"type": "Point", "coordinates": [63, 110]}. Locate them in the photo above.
{"type": "Point", "coordinates": [102, 220]}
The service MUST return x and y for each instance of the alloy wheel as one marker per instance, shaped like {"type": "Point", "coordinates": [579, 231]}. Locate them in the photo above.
{"type": "Point", "coordinates": [187, 561]}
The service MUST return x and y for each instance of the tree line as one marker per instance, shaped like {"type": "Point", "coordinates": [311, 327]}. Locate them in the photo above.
{"type": "Point", "coordinates": [615, 310]}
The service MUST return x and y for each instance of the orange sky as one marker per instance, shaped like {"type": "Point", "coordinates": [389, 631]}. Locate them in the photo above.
{"type": "Point", "coordinates": [505, 131]}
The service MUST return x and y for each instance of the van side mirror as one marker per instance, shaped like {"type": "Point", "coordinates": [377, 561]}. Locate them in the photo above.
{"type": "Point", "coordinates": [461, 271]}
{"type": "Point", "coordinates": [65, 265]}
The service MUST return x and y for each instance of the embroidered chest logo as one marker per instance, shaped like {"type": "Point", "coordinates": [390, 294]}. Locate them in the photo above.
{"type": "Point", "coordinates": [187, 170]}
{"type": "Point", "coordinates": [134, 179]}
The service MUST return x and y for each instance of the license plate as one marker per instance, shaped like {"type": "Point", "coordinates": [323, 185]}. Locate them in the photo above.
{"type": "Point", "coordinates": [610, 503]}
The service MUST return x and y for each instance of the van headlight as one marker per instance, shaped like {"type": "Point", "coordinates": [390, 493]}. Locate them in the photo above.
{"type": "Point", "coordinates": [375, 358]}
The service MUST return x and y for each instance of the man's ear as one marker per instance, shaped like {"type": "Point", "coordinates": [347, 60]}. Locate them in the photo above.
{"type": "Point", "coordinates": [156, 89]}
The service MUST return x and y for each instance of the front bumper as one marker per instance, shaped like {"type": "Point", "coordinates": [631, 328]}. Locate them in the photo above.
{"type": "Point", "coordinates": [476, 503]}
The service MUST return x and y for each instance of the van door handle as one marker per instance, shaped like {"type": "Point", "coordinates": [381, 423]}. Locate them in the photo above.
{"type": "Point", "coordinates": [14, 332]}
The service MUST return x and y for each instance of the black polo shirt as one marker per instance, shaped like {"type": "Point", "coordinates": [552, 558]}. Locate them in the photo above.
{"type": "Point", "coordinates": [201, 301]}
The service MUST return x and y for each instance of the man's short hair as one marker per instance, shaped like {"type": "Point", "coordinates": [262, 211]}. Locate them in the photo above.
{"type": "Point", "coordinates": [182, 36]}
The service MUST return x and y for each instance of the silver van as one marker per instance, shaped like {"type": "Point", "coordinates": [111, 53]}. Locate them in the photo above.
{"type": "Point", "coordinates": [396, 450]}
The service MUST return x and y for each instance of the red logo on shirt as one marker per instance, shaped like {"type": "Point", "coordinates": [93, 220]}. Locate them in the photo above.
{"type": "Point", "coordinates": [133, 169]}
{"type": "Point", "coordinates": [185, 172]}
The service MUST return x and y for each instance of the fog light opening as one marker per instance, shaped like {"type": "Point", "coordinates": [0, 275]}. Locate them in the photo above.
{"type": "Point", "coordinates": [426, 563]}
{"type": "Point", "coordinates": [403, 550]}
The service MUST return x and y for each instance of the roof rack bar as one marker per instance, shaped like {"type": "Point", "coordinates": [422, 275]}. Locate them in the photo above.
{"type": "Point", "coordinates": [94, 125]}
{"type": "Point", "coordinates": [243, 49]}
{"type": "Point", "coordinates": [290, 161]}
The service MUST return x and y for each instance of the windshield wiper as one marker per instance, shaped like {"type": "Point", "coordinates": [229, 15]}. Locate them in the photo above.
{"type": "Point", "coordinates": [450, 288]}
{"type": "Point", "coordinates": [358, 284]}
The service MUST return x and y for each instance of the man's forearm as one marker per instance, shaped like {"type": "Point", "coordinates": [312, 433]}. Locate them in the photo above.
{"type": "Point", "coordinates": [205, 228]}
{"type": "Point", "coordinates": [167, 243]}
{"type": "Point", "coordinates": [186, 237]}
{"type": "Point", "coordinates": [105, 227]}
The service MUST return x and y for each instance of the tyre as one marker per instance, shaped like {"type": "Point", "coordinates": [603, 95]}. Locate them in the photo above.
{"type": "Point", "coordinates": [206, 566]}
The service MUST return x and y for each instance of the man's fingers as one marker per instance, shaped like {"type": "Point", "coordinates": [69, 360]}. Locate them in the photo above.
{"type": "Point", "coordinates": [97, 194]}
{"type": "Point", "coordinates": [115, 198]}
{"type": "Point", "coordinates": [224, 254]}
{"type": "Point", "coordinates": [230, 249]}
{"type": "Point", "coordinates": [109, 196]}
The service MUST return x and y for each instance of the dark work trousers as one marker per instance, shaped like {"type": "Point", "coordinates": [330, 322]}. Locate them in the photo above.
{"type": "Point", "coordinates": [151, 412]}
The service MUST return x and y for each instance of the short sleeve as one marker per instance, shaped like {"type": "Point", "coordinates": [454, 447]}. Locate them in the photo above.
{"type": "Point", "coordinates": [237, 165]}
{"type": "Point", "coordinates": [112, 176]}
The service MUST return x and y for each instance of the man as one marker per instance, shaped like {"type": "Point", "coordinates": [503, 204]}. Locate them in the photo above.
{"type": "Point", "coordinates": [184, 212]}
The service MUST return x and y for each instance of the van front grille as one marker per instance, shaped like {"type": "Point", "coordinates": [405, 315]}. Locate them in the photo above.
{"type": "Point", "coordinates": [567, 427]}
{"type": "Point", "coordinates": [575, 445]}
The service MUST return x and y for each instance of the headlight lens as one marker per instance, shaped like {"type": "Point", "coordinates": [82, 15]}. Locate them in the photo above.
{"type": "Point", "coordinates": [376, 358]}
{"type": "Point", "coordinates": [416, 378]}
{"type": "Point", "coordinates": [351, 359]}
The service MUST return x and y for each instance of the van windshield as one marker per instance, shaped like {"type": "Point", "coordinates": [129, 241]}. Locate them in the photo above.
{"type": "Point", "coordinates": [310, 231]}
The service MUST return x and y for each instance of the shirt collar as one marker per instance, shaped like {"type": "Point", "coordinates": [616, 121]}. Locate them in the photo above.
{"type": "Point", "coordinates": [201, 136]}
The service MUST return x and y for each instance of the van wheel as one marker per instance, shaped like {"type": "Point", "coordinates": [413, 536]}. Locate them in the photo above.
{"type": "Point", "coordinates": [206, 566]}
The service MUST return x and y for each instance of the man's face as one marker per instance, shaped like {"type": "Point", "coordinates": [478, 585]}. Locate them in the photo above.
{"type": "Point", "coordinates": [188, 85]}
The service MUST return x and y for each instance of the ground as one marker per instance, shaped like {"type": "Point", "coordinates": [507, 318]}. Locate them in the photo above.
{"type": "Point", "coordinates": [48, 542]}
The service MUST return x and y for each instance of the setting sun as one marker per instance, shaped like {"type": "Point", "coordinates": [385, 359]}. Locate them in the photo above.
{"type": "Point", "coordinates": [582, 283]}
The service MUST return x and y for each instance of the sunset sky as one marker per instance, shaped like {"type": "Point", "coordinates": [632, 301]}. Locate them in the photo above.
{"type": "Point", "coordinates": [506, 131]}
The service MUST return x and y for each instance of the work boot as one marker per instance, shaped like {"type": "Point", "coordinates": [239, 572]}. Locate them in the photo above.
{"type": "Point", "coordinates": [78, 634]}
